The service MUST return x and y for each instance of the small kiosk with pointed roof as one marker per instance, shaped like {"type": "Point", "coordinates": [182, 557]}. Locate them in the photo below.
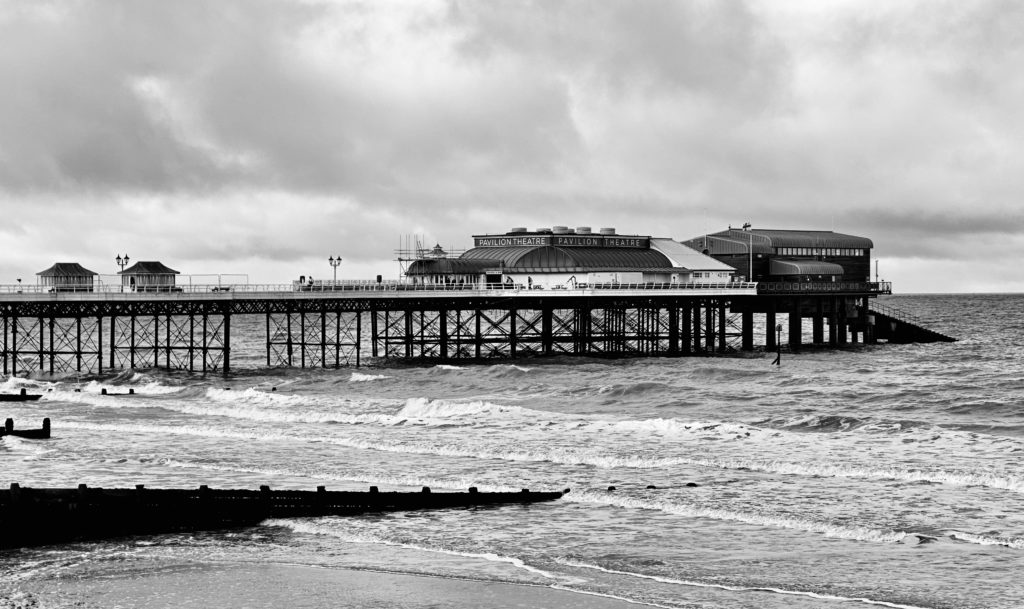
{"type": "Point", "coordinates": [67, 277]}
{"type": "Point", "coordinates": [149, 276]}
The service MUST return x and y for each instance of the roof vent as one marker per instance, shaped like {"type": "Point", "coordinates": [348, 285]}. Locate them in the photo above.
{"type": "Point", "coordinates": [560, 230]}
{"type": "Point", "coordinates": [607, 231]}
{"type": "Point", "coordinates": [518, 229]}
{"type": "Point", "coordinates": [582, 230]}
{"type": "Point", "coordinates": [543, 230]}
{"type": "Point", "coordinates": [572, 231]}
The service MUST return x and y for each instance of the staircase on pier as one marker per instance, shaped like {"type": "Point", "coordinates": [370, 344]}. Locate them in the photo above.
{"type": "Point", "coordinates": [898, 326]}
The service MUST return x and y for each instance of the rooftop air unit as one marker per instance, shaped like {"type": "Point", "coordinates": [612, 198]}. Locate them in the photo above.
{"type": "Point", "coordinates": [607, 231]}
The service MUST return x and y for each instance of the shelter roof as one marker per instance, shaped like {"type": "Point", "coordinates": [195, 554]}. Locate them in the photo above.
{"type": "Point", "coordinates": [67, 269]}
{"type": "Point", "coordinates": [686, 257]}
{"type": "Point", "coordinates": [764, 241]}
{"type": "Point", "coordinates": [783, 266]}
{"type": "Point", "coordinates": [149, 268]}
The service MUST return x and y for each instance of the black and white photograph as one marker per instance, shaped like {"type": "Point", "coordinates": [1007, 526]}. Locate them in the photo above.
{"type": "Point", "coordinates": [485, 304]}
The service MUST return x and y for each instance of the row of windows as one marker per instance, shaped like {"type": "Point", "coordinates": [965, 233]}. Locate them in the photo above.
{"type": "Point", "coordinates": [819, 251]}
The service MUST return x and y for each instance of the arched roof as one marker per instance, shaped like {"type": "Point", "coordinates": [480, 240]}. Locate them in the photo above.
{"type": "Point", "coordinates": [764, 241]}
{"type": "Point", "coordinates": [448, 266]}
{"type": "Point", "coordinates": [570, 259]}
{"type": "Point", "coordinates": [781, 266]}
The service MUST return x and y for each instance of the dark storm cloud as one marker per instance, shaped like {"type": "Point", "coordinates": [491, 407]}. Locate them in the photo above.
{"type": "Point", "coordinates": [155, 96]}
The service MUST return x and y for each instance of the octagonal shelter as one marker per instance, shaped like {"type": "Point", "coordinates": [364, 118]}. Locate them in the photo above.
{"type": "Point", "coordinates": [561, 257]}
{"type": "Point", "coordinates": [67, 277]}
{"type": "Point", "coordinates": [149, 276]}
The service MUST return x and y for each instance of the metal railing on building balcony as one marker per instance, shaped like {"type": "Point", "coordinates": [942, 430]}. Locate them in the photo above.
{"type": "Point", "coordinates": [819, 287]}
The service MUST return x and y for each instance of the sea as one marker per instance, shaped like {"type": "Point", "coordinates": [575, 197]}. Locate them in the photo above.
{"type": "Point", "coordinates": [863, 476]}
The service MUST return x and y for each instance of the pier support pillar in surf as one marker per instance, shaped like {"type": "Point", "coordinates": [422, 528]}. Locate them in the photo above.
{"type": "Point", "coordinates": [709, 327]}
{"type": "Point", "coordinates": [686, 329]}
{"type": "Point", "coordinates": [227, 343]}
{"type": "Point", "coordinates": [722, 319]}
{"type": "Point", "coordinates": [547, 330]}
{"type": "Point", "coordinates": [818, 322]}
{"type": "Point", "coordinates": [747, 330]}
{"type": "Point", "coordinates": [443, 333]}
{"type": "Point", "coordinates": [841, 323]}
{"type": "Point", "coordinates": [869, 322]}
{"type": "Point", "coordinates": [673, 329]}
{"type": "Point", "coordinates": [795, 328]}
{"type": "Point", "coordinates": [770, 343]}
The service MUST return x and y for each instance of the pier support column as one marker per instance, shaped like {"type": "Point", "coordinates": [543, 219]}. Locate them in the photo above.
{"type": "Point", "coordinates": [869, 322]}
{"type": "Point", "coordinates": [709, 325]}
{"type": "Point", "coordinates": [721, 326]}
{"type": "Point", "coordinates": [769, 328]}
{"type": "Point", "coordinates": [673, 329]}
{"type": "Point", "coordinates": [686, 329]}
{"type": "Point", "coordinates": [443, 329]}
{"type": "Point", "coordinates": [546, 329]}
{"type": "Point", "coordinates": [817, 322]}
{"type": "Point", "coordinates": [795, 329]}
{"type": "Point", "coordinates": [841, 321]}
{"type": "Point", "coordinates": [227, 343]}
{"type": "Point", "coordinates": [747, 330]}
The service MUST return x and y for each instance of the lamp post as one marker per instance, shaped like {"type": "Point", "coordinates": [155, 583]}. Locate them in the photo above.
{"type": "Point", "coordinates": [122, 262]}
{"type": "Point", "coordinates": [335, 263]}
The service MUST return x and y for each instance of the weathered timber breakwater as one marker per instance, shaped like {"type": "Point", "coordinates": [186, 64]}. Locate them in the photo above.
{"type": "Point", "coordinates": [39, 516]}
{"type": "Point", "coordinates": [43, 433]}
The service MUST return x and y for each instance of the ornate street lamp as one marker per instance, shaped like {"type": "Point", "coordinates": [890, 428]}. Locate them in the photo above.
{"type": "Point", "coordinates": [122, 262]}
{"type": "Point", "coordinates": [335, 263]}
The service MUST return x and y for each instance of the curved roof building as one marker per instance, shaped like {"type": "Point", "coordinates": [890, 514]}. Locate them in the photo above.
{"type": "Point", "coordinates": [550, 257]}
{"type": "Point", "coordinates": [809, 255]}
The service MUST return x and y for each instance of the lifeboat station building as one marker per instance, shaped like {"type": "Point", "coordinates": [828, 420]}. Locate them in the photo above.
{"type": "Point", "coordinates": [796, 256]}
{"type": "Point", "coordinates": [562, 257]}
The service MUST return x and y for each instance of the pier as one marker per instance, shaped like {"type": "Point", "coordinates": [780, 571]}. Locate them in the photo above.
{"type": "Point", "coordinates": [335, 324]}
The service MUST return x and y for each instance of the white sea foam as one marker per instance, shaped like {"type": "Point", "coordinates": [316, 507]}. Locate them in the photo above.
{"type": "Point", "coordinates": [697, 584]}
{"type": "Point", "coordinates": [449, 367]}
{"type": "Point", "coordinates": [332, 529]}
{"type": "Point", "coordinates": [423, 408]}
{"type": "Point", "coordinates": [1016, 543]}
{"type": "Point", "coordinates": [759, 519]}
{"type": "Point", "coordinates": [363, 378]}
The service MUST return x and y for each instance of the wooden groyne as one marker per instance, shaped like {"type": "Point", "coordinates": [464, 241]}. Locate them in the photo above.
{"type": "Point", "coordinates": [40, 516]}
{"type": "Point", "coordinates": [42, 433]}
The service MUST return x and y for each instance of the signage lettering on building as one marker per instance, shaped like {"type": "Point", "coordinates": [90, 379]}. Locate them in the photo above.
{"type": "Point", "coordinates": [563, 241]}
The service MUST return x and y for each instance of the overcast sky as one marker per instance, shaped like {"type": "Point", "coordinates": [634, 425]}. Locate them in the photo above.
{"type": "Point", "coordinates": [261, 137]}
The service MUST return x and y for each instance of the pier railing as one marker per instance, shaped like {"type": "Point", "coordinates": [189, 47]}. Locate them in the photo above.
{"type": "Point", "coordinates": [359, 287]}
{"type": "Point", "coordinates": [898, 314]}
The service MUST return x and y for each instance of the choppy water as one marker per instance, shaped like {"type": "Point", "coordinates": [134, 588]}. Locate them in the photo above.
{"type": "Point", "coordinates": [873, 476]}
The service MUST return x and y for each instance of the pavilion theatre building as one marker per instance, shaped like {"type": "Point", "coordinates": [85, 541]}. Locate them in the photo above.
{"type": "Point", "coordinates": [562, 257]}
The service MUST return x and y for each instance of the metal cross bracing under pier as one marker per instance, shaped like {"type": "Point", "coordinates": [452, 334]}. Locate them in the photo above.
{"type": "Point", "coordinates": [63, 336]}
{"type": "Point", "coordinates": [308, 339]}
{"type": "Point", "coordinates": [619, 329]}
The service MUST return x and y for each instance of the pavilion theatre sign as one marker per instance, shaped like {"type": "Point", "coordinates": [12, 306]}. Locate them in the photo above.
{"type": "Point", "coordinates": [563, 241]}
